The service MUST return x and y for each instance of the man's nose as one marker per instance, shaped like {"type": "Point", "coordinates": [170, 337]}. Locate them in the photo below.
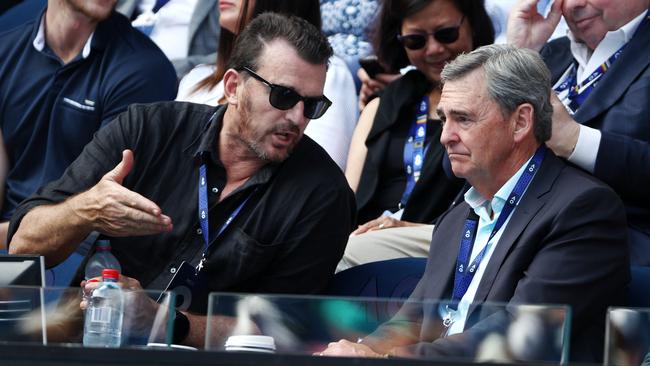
{"type": "Point", "coordinates": [296, 114]}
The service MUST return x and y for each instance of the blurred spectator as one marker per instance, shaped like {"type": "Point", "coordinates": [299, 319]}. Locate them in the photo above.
{"type": "Point", "coordinates": [187, 31]}
{"type": "Point", "coordinates": [395, 160]}
{"type": "Point", "coordinates": [60, 83]}
{"type": "Point", "coordinates": [601, 75]}
{"type": "Point", "coordinates": [204, 84]}
{"type": "Point", "coordinates": [347, 24]}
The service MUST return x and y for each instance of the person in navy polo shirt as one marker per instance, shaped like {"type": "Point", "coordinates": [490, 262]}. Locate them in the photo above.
{"type": "Point", "coordinates": [62, 77]}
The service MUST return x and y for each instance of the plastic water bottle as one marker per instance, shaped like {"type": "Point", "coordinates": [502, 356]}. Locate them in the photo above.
{"type": "Point", "coordinates": [101, 260]}
{"type": "Point", "coordinates": [105, 313]}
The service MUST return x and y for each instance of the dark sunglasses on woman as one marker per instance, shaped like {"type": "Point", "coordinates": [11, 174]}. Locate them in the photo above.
{"type": "Point", "coordinates": [284, 98]}
{"type": "Point", "coordinates": [416, 41]}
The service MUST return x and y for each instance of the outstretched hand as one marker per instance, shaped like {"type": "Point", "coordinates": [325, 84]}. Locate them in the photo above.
{"type": "Point", "coordinates": [114, 210]}
{"type": "Point", "coordinates": [529, 29]}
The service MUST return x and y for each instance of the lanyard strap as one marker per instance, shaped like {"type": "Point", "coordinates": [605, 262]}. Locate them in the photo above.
{"type": "Point", "coordinates": [464, 270]}
{"type": "Point", "coordinates": [203, 210]}
{"type": "Point", "coordinates": [578, 93]}
{"type": "Point", "coordinates": [414, 149]}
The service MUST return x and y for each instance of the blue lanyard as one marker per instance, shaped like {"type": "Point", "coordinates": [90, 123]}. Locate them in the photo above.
{"type": "Point", "coordinates": [578, 93]}
{"type": "Point", "coordinates": [465, 271]}
{"type": "Point", "coordinates": [414, 149]}
{"type": "Point", "coordinates": [203, 214]}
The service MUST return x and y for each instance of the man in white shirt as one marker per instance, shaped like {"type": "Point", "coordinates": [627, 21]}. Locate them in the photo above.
{"type": "Point", "coordinates": [532, 229]}
{"type": "Point", "coordinates": [601, 73]}
{"type": "Point", "coordinates": [187, 31]}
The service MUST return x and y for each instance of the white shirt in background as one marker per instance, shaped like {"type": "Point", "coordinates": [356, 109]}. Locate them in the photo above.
{"type": "Point", "coordinates": [171, 25]}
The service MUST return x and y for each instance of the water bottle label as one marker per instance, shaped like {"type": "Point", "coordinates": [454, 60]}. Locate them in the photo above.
{"type": "Point", "coordinates": [100, 315]}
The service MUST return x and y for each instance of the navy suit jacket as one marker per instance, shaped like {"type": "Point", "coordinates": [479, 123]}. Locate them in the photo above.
{"type": "Point", "coordinates": [619, 107]}
{"type": "Point", "coordinates": [564, 244]}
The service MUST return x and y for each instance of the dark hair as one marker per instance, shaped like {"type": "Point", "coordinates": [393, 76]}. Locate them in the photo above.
{"type": "Point", "coordinates": [310, 43]}
{"type": "Point", "coordinates": [306, 9]}
{"type": "Point", "coordinates": [390, 51]}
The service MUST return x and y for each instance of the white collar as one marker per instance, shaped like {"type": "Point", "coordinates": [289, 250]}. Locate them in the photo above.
{"type": "Point", "coordinates": [612, 40]}
{"type": "Point", "coordinates": [39, 40]}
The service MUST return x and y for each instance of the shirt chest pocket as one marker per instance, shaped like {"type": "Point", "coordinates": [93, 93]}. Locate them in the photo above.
{"type": "Point", "coordinates": [238, 258]}
{"type": "Point", "coordinates": [77, 120]}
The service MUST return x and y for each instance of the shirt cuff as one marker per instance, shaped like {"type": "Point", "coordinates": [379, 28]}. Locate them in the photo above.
{"type": "Point", "coordinates": [586, 151]}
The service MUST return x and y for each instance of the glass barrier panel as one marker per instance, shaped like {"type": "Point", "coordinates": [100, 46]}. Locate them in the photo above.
{"type": "Point", "coordinates": [627, 337]}
{"type": "Point", "coordinates": [56, 316]}
{"type": "Point", "coordinates": [396, 327]}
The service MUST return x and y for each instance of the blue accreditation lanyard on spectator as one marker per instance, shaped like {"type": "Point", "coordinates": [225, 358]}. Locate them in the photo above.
{"type": "Point", "coordinates": [414, 149]}
{"type": "Point", "coordinates": [465, 271]}
{"type": "Point", "coordinates": [578, 93]}
{"type": "Point", "coordinates": [203, 214]}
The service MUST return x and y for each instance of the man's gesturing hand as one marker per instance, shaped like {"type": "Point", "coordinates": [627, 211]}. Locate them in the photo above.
{"type": "Point", "coordinates": [114, 210]}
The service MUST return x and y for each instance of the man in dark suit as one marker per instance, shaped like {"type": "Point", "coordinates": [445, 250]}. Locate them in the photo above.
{"type": "Point", "coordinates": [532, 229]}
{"type": "Point", "coordinates": [601, 73]}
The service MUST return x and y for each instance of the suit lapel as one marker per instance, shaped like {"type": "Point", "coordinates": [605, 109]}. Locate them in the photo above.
{"type": "Point", "coordinates": [532, 201]}
{"type": "Point", "coordinates": [444, 252]}
{"type": "Point", "coordinates": [634, 59]}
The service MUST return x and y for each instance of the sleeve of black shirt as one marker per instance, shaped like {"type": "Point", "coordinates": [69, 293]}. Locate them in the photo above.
{"type": "Point", "coordinates": [100, 156]}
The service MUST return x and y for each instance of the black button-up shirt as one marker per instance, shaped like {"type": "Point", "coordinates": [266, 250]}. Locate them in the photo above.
{"type": "Point", "coordinates": [287, 238]}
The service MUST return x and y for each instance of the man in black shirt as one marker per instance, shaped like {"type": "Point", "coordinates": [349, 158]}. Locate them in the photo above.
{"type": "Point", "coordinates": [235, 191]}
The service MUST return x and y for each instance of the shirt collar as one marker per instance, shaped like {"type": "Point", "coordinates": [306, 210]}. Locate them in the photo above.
{"type": "Point", "coordinates": [205, 147]}
{"type": "Point", "coordinates": [488, 210]}
{"type": "Point", "coordinates": [613, 39]}
{"type": "Point", "coordinates": [39, 40]}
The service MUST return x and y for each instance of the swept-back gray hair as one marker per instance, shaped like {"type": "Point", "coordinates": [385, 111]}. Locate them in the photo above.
{"type": "Point", "coordinates": [514, 76]}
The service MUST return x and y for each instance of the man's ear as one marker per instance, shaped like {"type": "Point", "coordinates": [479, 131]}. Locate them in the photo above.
{"type": "Point", "coordinates": [231, 80]}
{"type": "Point", "coordinates": [523, 119]}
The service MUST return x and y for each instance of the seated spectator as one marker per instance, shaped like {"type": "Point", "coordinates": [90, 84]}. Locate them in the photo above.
{"type": "Point", "coordinates": [601, 74]}
{"type": "Point", "coordinates": [204, 84]}
{"type": "Point", "coordinates": [187, 31]}
{"type": "Point", "coordinates": [273, 211]}
{"type": "Point", "coordinates": [395, 160]}
{"type": "Point", "coordinates": [347, 23]}
{"type": "Point", "coordinates": [60, 83]}
{"type": "Point", "coordinates": [532, 229]}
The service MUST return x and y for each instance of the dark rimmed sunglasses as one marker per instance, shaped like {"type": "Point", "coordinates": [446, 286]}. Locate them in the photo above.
{"type": "Point", "coordinates": [284, 98]}
{"type": "Point", "coordinates": [416, 41]}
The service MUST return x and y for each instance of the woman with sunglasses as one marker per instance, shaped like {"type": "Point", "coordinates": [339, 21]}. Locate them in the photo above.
{"type": "Point", "coordinates": [395, 160]}
{"type": "Point", "coordinates": [204, 84]}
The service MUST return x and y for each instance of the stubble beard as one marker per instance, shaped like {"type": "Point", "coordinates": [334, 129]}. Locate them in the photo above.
{"type": "Point", "coordinates": [255, 142]}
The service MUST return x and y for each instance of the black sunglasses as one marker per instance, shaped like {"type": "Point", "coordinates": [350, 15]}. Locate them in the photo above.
{"type": "Point", "coordinates": [284, 98]}
{"type": "Point", "coordinates": [443, 35]}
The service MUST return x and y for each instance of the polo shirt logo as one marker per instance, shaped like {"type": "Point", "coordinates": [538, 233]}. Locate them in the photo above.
{"type": "Point", "coordinates": [88, 105]}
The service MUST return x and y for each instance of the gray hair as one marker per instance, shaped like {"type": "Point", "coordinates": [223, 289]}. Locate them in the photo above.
{"type": "Point", "coordinates": [514, 76]}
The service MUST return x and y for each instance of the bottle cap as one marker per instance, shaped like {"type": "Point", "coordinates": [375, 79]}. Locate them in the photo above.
{"type": "Point", "coordinates": [111, 273]}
